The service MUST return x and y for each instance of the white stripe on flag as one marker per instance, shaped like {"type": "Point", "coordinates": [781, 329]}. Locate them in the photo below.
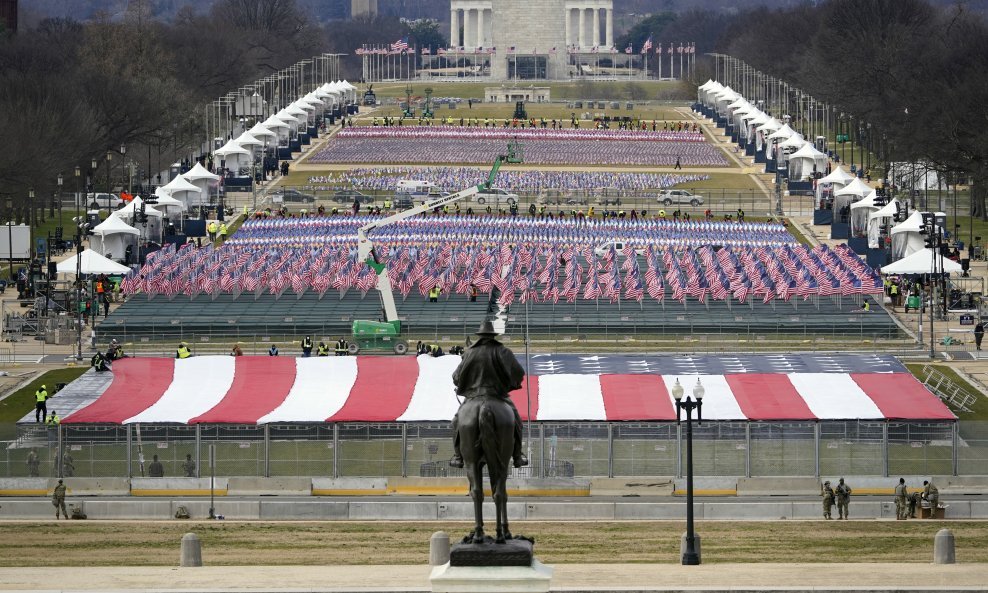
{"type": "Point", "coordinates": [322, 385]}
{"type": "Point", "coordinates": [199, 383]}
{"type": "Point", "coordinates": [434, 396]}
{"type": "Point", "coordinates": [571, 397]}
{"type": "Point", "coordinates": [719, 402]}
{"type": "Point", "coordinates": [834, 396]}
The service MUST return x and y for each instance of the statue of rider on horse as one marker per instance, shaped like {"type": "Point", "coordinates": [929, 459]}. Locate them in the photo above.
{"type": "Point", "coordinates": [487, 428]}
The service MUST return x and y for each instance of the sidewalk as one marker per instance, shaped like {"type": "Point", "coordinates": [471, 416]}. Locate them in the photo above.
{"type": "Point", "coordinates": [920, 576]}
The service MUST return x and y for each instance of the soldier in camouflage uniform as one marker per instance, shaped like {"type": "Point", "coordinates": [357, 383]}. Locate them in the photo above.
{"type": "Point", "coordinates": [843, 492]}
{"type": "Point", "coordinates": [828, 499]}
{"type": "Point", "coordinates": [901, 504]}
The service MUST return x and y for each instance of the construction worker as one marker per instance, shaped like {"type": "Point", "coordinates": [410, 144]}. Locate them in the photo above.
{"type": "Point", "coordinates": [183, 351]}
{"type": "Point", "coordinates": [53, 420]}
{"type": "Point", "coordinates": [273, 350]}
{"type": "Point", "coordinates": [40, 407]}
{"type": "Point", "coordinates": [99, 362]}
{"type": "Point", "coordinates": [322, 349]}
{"type": "Point", "coordinates": [387, 204]}
{"type": "Point", "coordinates": [211, 229]}
{"type": "Point", "coordinates": [341, 346]}
{"type": "Point", "coordinates": [222, 232]}
{"type": "Point", "coordinates": [306, 346]}
{"type": "Point", "coordinates": [434, 294]}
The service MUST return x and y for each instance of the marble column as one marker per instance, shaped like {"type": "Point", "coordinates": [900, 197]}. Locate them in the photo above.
{"type": "Point", "coordinates": [596, 26]}
{"type": "Point", "coordinates": [609, 27]}
{"type": "Point", "coordinates": [583, 29]}
{"type": "Point", "coordinates": [480, 28]}
{"type": "Point", "coordinates": [454, 27]}
{"type": "Point", "coordinates": [469, 27]}
{"type": "Point", "coordinates": [568, 19]}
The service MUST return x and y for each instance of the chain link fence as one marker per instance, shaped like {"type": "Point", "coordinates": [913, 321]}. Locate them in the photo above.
{"type": "Point", "coordinates": [591, 449]}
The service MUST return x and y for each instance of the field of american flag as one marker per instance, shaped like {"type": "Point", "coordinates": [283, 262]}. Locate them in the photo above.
{"type": "Point", "coordinates": [526, 258]}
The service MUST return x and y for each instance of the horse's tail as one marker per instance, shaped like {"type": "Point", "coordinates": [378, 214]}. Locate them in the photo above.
{"type": "Point", "coordinates": [489, 440]}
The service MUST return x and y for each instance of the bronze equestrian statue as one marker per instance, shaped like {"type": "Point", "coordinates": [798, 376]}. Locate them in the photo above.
{"type": "Point", "coordinates": [487, 427]}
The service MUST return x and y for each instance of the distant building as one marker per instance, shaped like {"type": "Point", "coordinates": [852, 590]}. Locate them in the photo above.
{"type": "Point", "coordinates": [8, 14]}
{"type": "Point", "coordinates": [363, 8]}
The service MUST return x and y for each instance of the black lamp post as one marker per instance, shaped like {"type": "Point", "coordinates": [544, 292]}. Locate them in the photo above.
{"type": "Point", "coordinates": [81, 228]}
{"type": "Point", "coordinates": [690, 556]}
{"type": "Point", "coordinates": [78, 187]}
{"type": "Point", "coordinates": [31, 219]}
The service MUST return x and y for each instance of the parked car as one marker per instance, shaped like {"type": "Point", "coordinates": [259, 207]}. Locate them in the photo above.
{"type": "Point", "coordinates": [496, 195]}
{"type": "Point", "coordinates": [293, 195]}
{"type": "Point", "coordinates": [103, 200]}
{"type": "Point", "coordinates": [347, 196]}
{"type": "Point", "coordinates": [402, 201]}
{"type": "Point", "coordinates": [679, 196]}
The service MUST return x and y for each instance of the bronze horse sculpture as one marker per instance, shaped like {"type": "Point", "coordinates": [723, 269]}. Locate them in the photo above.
{"type": "Point", "coordinates": [486, 429]}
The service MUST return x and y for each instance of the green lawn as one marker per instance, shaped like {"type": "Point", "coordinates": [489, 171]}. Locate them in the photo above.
{"type": "Point", "coordinates": [17, 404]}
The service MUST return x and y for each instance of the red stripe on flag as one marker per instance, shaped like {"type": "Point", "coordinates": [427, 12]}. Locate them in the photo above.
{"type": "Point", "coordinates": [636, 397]}
{"type": "Point", "coordinates": [768, 397]}
{"type": "Point", "coordinates": [382, 391]}
{"type": "Point", "coordinates": [520, 397]}
{"type": "Point", "coordinates": [901, 396]}
{"type": "Point", "coordinates": [260, 384]}
{"type": "Point", "coordinates": [137, 384]}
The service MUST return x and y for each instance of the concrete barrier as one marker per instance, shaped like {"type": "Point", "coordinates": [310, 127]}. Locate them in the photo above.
{"type": "Point", "coordinates": [272, 510]}
{"type": "Point", "coordinates": [957, 485]}
{"type": "Point", "coordinates": [408, 511]}
{"type": "Point", "coordinates": [779, 486]}
{"type": "Point", "coordinates": [463, 511]}
{"type": "Point", "coordinates": [24, 487]}
{"type": "Point", "coordinates": [625, 511]}
{"type": "Point", "coordinates": [548, 487]}
{"type": "Point", "coordinates": [750, 510]}
{"type": "Point", "coordinates": [177, 487]}
{"type": "Point", "coordinates": [708, 486]}
{"type": "Point", "coordinates": [251, 486]}
{"type": "Point", "coordinates": [28, 509]}
{"type": "Point", "coordinates": [349, 486]}
{"type": "Point", "coordinates": [128, 509]}
{"type": "Point", "coordinates": [415, 486]}
{"type": "Point", "coordinates": [228, 509]}
{"type": "Point", "coordinates": [632, 486]}
{"type": "Point", "coordinates": [539, 511]}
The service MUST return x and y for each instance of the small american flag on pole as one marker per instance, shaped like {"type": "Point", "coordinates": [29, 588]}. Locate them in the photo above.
{"type": "Point", "coordinates": [400, 45]}
{"type": "Point", "coordinates": [426, 51]}
{"type": "Point", "coordinates": [648, 45]}
{"type": "Point", "coordinates": [628, 49]}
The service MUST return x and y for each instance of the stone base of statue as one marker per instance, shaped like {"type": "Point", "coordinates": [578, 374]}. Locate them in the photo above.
{"type": "Point", "coordinates": [487, 568]}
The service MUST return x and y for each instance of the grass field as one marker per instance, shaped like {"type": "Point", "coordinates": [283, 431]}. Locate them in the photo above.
{"type": "Point", "coordinates": [14, 406]}
{"type": "Point", "coordinates": [111, 543]}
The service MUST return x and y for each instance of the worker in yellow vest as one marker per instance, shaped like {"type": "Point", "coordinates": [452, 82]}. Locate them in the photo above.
{"type": "Point", "coordinates": [434, 294]}
{"type": "Point", "coordinates": [183, 351]}
{"type": "Point", "coordinates": [40, 407]}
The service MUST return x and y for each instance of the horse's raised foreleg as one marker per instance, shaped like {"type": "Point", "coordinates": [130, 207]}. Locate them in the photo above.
{"type": "Point", "coordinates": [476, 473]}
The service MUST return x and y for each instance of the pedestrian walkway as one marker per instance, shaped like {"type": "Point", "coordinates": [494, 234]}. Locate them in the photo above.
{"type": "Point", "coordinates": [919, 576]}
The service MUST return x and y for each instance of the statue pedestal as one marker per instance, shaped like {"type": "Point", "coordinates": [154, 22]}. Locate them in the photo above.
{"type": "Point", "coordinates": [491, 579]}
{"type": "Point", "coordinates": [489, 568]}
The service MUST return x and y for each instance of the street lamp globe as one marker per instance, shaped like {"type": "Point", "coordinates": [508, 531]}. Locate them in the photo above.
{"type": "Point", "coordinates": [93, 165]}
{"type": "Point", "coordinates": [698, 390]}
{"type": "Point", "coordinates": [59, 180]}
{"type": "Point", "coordinates": [123, 149]}
{"type": "Point", "coordinates": [78, 171]}
{"type": "Point", "coordinates": [677, 391]}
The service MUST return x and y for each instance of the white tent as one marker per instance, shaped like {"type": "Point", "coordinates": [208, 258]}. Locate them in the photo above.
{"type": "Point", "coordinates": [906, 238]}
{"type": "Point", "coordinates": [183, 190]}
{"type": "Point", "coordinates": [780, 135]}
{"type": "Point", "coordinates": [789, 146]}
{"type": "Point", "coordinates": [92, 263]}
{"type": "Point", "coordinates": [112, 236]}
{"type": "Point", "coordinates": [261, 132]}
{"type": "Point", "coordinates": [828, 184]}
{"type": "Point", "coordinates": [850, 193]}
{"type": "Point", "coordinates": [349, 91]}
{"type": "Point", "coordinates": [200, 177]}
{"type": "Point", "coordinates": [805, 161]}
{"type": "Point", "coordinates": [248, 141]}
{"type": "Point", "coordinates": [878, 218]}
{"type": "Point", "coordinates": [154, 227]}
{"type": "Point", "coordinates": [279, 127]}
{"type": "Point", "coordinates": [234, 155]}
{"type": "Point", "coordinates": [860, 212]}
{"type": "Point", "coordinates": [921, 262]}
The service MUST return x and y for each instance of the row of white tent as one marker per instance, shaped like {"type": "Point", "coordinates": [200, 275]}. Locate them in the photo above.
{"type": "Point", "coordinates": [866, 218]}
{"type": "Point", "coordinates": [764, 131]}
{"type": "Point", "coordinates": [282, 125]}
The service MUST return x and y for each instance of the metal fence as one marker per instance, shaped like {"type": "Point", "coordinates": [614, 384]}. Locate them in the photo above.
{"type": "Point", "coordinates": [596, 449]}
{"type": "Point", "coordinates": [721, 201]}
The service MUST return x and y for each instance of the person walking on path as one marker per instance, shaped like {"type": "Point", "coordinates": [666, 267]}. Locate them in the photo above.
{"type": "Point", "coordinates": [979, 334]}
{"type": "Point", "coordinates": [901, 506]}
{"type": "Point", "coordinates": [58, 500]}
{"type": "Point", "coordinates": [932, 496]}
{"type": "Point", "coordinates": [843, 492]}
{"type": "Point", "coordinates": [828, 500]}
{"type": "Point", "coordinates": [211, 230]}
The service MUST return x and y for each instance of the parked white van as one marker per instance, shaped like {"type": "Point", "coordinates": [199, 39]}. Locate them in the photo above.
{"type": "Point", "coordinates": [413, 186]}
